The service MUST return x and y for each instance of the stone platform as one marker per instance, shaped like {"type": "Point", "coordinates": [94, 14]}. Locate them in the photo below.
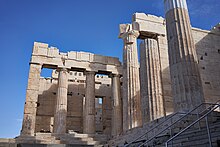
{"type": "Point", "coordinates": [55, 140]}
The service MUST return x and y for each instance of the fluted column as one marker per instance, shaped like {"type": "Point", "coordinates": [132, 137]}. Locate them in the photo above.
{"type": "Point", "coordinates": [89, 111]}
{"type": "Point", "coordinates": [151, 81]}
{"type": "Point", "coordinates": [117, 106]}
{"type": "Point", "coordinates": [185, 77]}
{"type": "Point", "coordinates": [61, 102]}
{"type": "Point", "coordinates": [131, 82]}
{"type": "Point", "coordinates": [30, 108]}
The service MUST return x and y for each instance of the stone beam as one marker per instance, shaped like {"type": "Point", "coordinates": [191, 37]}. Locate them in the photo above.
{"type": "Point", "coordinates": [149, 26]}
{"type": "Point", "coordinates": [50, 57]}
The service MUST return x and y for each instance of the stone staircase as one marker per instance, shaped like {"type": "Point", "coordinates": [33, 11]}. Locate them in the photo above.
{"type": "Point", "coordinates": [159, 132]}
{"type": "Point", "coordinates": [132, 134]}
{"type": "Point", "coordinates": [56, 140]}
{"type": "Point", "coordinates": [82, 139]}
{"type": "Point", "coordinates": [198, 138]}
{"type": "Point", "coordinates": [191, 138]}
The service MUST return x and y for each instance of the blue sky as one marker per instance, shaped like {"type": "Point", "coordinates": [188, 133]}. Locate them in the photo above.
{"type": "Point", "coordinates": [80, 25]}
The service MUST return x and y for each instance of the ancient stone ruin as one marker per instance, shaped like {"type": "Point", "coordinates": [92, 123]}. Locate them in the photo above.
{"type": "Point", "coordinates": [92, 99]}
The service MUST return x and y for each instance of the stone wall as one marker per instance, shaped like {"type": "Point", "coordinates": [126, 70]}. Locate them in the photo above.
{"type": "Point", "coordinates": [76, 93]}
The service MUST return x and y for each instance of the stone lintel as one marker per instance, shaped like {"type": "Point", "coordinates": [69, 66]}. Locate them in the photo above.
{"type": "Point", "coordinates": [148, 25]}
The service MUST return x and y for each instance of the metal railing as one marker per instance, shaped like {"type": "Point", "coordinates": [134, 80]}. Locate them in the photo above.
{"type": "Point", "coordinates": [195, 122]}
{"type": "Point", "coordinates": [194, 111]}
{"type": "Point", "coordinates": [145, 134]}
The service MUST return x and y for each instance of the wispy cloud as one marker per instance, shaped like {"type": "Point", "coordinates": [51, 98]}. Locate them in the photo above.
{"type": "Point", "coordinates": [203, 7]}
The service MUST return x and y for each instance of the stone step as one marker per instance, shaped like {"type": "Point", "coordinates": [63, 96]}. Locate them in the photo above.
{"type": "Point", "coordinates": [197, 137]}
{"type": "Point", "coordinates": [54, 145]}
{"type": "Point", "coordinates": [194, 137]}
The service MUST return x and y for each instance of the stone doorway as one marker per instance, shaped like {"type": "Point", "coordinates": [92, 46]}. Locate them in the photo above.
{"type": "Point", "coordinates": [99, 115]}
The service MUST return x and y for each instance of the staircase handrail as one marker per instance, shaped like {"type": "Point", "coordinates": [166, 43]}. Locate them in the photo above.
{"type": "Point", "coordinates": [188, 113]}
{"type": "Point", "coordinates": [196, 121]}
{"type": "Point", "coordinates": [166, 119]}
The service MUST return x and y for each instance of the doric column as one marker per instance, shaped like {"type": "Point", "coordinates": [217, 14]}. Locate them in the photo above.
{"type": "Point", "coordinates": [89, 111]}
{"type": "Point", "coordinates": [185, 77]}
{"type": "Point", "coordinates": [61, 102]}
{"type": "Point", "coordinates": [151, 81]}
{"type": "Point", "coordinates": [30, 108]}
{"type": "Point", "coordinates": [117, 106]}
{"type": "Point", "coordinates": [131, 82]}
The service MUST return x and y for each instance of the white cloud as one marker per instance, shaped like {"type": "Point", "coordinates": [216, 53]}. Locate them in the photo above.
{"type": "Point", "coordinates": [203, 7]}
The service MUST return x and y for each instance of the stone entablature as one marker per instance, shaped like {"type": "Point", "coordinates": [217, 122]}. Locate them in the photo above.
{"type": "Point", "coordinates": [50, 57]}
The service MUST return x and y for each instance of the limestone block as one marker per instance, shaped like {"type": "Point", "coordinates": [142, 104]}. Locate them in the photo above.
{"type": "Point", "coordinates": [138, 17]}
{"type": "Point", "coordinates": [38, 46]}
{"type": "Point", "coordinates": [100, 59]}
{"type": "Point", "coordinates": [53, 52]}
{"type": "Point", "coordinates": [84, 56]}
{"type": "Point", "coordinates": [149, 27]}
{"type": "Point", "coordinates": [42, 51]}
{"type": "Point", "coordinates": [72, 55]}
{"type": "Point", "coordinates": [33, 84]}
{"type": "Point", "coordinates": [113, 61]}
{"type": "Point", "coordinates": [31, 95]}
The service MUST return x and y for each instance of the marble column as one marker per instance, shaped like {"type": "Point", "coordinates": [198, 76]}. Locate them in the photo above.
{"type": "Point", "coordinates": [185, 77]}
{"type": "Point", "coordinates": [151, 81]}
{"type": "Point", "coordinates": [89, 111]}
{"type": "Point", "coordinates": [61, 102]}
{"type": "Point", "coordinates": [117, 106]}
{"type": "Point", "coordinates": [30, 108]}
{"type": "Point", "coordinates": [131, 82]}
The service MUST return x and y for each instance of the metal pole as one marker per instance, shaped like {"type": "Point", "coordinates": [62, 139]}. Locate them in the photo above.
{"type": "Point", "coordinates": [198, 118]}
{"type": "Point", "coordinates": [208, 131]}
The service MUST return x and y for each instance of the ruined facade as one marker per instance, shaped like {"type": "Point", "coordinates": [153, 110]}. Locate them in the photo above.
{"type": "Point", "coordinates": [78, 96]}
{"type": "Point", "coordinates": [155, 75]}
{"type": "Point", "coordinates": [93, 94]}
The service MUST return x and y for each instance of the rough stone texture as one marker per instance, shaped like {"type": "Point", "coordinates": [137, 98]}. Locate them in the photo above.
{"type": "Point", "coordinates": [131, 82]}
{"type": "Point", "coordinates": [208, 53]}
{"type": "Point", "coordinates": [76, 93]}
{"type": "Point", "coordinates": [61, 103]}
{"type": "Point", "coordinates": [42, 92]}
{"type": "Point", "coordinates": [28, 125]}
{"type": "Point", "coordinates": [207, 50]}
{"type": "Point", "coordinates": [146, 22]}
{"type": "Point", "coordinates": [117, 106]}
{"type": "Point", "coordinates": [185, 76]}
{"type": "Point", "coordinates": [151, 81]}
{"type": "Point", "coordinates": [89, 111]}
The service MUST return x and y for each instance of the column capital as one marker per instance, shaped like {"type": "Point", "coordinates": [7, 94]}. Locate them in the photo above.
{"type": "Point", "coordinates": [130, 36]}
{"type": "Point", "coordinates": [130, 33]}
